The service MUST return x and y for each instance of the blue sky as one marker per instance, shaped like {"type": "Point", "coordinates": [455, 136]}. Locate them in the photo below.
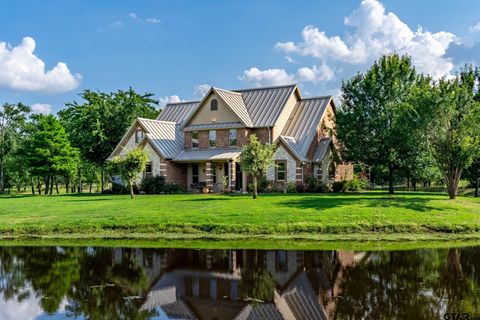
{"type": "Point", "coordinates": [176, 49]}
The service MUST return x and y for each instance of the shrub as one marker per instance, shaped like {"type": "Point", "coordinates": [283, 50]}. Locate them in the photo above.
{"type": "Point", "coordinates": [292, 187]}
{"type": "Point", "coordinates": [173, 188]}
{"type": "Point", "coordinates": [264, 185]}
{"type": "Point", "coordinates": [315, 185]}
{"type": "Point", "coordinates": [338, 186]}
{"type": "Point", "coordinates": [153, 185]}
{"type": "Point", "coordinates": [118, 188]}
{"type": "Point", "coordinates": [356, 184]}
{"type": "Point", "coordinates": [279, 186]}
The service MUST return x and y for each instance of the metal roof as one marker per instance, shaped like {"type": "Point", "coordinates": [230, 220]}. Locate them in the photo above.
{"type": "Point", "coordinates": [292, 145]}
{"type": "Point", "coordinates": [322, 149]}
{"type": "Point", "coordinates": [264, 105]}
{"type": "Point", "coordinates": [304, 120]}
{"type": "Point", "coordinates": [177, 112]}
{"type": "Point", "coordinates": [165, 136]}
{"type": "Point", "coordinates": [208, 126]}
{"type": "Point", "coordinates": [208, 154]}
{"type": "Point", "coordinates": [235, 101]}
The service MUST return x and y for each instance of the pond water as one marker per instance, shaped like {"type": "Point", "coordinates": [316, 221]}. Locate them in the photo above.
{"type": "Point", "coordinates": [141, 283]}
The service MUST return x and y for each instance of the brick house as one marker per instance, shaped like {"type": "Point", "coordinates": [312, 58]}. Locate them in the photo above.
{"type": "Point", "coordinates": [198, 143]}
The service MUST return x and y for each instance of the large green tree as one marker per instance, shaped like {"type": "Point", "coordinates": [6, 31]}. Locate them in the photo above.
{"type": "Point", "coordinates": [12, 119]}
{"type": "Point", "coordinates": [96, 125]}
{"type": "Point", "coordinates": [48, 151]}
{"type": "Point", "coordinates": [454, 132]}
{"type": "Point", "coordinates": [371, 119]}
{"type": "Point", "coordinates": [255, 159]}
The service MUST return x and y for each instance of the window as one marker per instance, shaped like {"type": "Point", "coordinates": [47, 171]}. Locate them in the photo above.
{"type": "Point", "coordinates": [194, 139]}
{"type": "Point", "coordinates": [138, 136]}
{"type": "Point", "coordinates": [214, 173]}
{"type": "Point", "coordinates": [212, 138]}
{"type": "Point", "coordinates": [281, 261]}
{"type": "Point", "coordinates": [148, 170]}
{"type": "Point", "coordinates": [214, 105]}
{"type": "Point", "coordinates": [233, 137]}
{"type": "Point", "coordinates": [281, 170]}
{"type": "Point", "coordinates": [194, 173]}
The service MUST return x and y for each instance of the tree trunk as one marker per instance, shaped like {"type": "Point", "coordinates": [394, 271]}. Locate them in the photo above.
{"type": "Point", "coordinates": [2, 177]}
{"type": "Point", "coordinates": [408, 183]}
{"type": "Point", "coordinates": [254, 187]}
{"type": "Point", "coordinates": [39, 186]}
{"type": "Point", "coordinates": [90, 184]}
{"type": "Point", "coordinates": [79, 182]}
{"type": "Point", "coordinates": [51, 185]}
{"type": "Point", "coordinates": [390, 180]}
{"type": "Point", "coordinates": [102, 177]}
{"type": "Point", "coordinates": [130, 185]}
{"type": "Point", "coordinates": [452, 183]}
{"type": "Point", "coordinates": [414, 184]}
{"type": "Point", "coordinates": [56, 185]}
{"type": "Point", "coordinates": [67, 186]}
{"type": "Point", "coordinates": [33, 185]}
{"type": "Point", "coordinates": [47, 185]}
{"type": "Point", "coordinates": [477, 182]}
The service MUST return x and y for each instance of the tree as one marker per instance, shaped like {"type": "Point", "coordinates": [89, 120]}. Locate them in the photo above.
{"type": "Point", "coordinates": [255, 159]}
{"type": "Point", "coordinates": [130, 166]}
{"type": "Point", "coordinates": [96, 126]}
{"type": "Point", "coordinates": [374, 106]}
{"type": "Point", "coordinates": [12, 118]}
{"type": "Point", "coordinates": [454, 133]}
{"type": "Point", "coordinates": [473, 174]}
{"type": "Point", "coordinates": [48, 151]}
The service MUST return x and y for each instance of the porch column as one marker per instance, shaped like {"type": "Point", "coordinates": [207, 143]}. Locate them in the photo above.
{"type": "Point", "coordinates": [299, 173]}
{"type": "Point", "coordinates": [208, 175]}
{"type": "Point", "coordinates": [244, 181]}
{"type": "Point", "coordinates": [232, 174]}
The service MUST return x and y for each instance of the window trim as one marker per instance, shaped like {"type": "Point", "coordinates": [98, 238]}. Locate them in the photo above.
{"type": "Point", "coordinates": [277, 162]}
{"type": "Point", "coordinates": [210, 140]}
{"type": "Point", "coordinates": [148, 174]}
{"type": "Point", "coordinates": [191, 140]}
{"type": "Point", "coordinates": [230, 139]}
{"type": "Point", "coordinates": [212, 104]}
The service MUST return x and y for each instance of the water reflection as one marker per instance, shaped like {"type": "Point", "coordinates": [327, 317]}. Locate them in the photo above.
{"type": "Point", "coordinates": [129, 283]}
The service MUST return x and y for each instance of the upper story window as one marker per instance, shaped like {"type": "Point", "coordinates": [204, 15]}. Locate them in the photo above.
{"type": "Point", "coordinates": [194, 139]}
{"type": "Point", "coordinates": [214, 105]}
{"type": "Point", "coordinates": [232, 137]}
{"type": "Point", "coordinates": [138, 136]}
{"type": "Point", "coordinates": [212, 138]}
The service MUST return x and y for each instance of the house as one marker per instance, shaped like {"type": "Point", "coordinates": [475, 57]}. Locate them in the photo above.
{"type": "Point", "coordinates": [197, 143]}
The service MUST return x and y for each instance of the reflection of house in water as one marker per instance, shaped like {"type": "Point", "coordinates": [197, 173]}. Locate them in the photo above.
{"type": "Point", "coordinates": [207, 284]}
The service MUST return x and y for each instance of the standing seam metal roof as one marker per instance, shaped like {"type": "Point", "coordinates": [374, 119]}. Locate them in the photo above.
{"type": "Point", "coordinates": [177, 112]}
{"type": "Point", "coordinates": [165, 136]}
{"type": "Point", "coordinates": [264, 105]}
{"type": "Point", "coordinates": [235, 101]}
{"type": "Point", "coordinates": [304, 120]}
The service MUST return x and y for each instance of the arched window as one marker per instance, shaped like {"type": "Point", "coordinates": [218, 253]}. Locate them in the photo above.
{"type": "Point", "coordinates": [214, 105]}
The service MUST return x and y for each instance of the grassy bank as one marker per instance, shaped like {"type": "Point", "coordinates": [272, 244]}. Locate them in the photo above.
{"type": "Point", "coordinates": [369, 216]}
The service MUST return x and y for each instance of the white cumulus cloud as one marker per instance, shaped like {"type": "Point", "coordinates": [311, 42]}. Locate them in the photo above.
{"type": "Point", "coordinates": [201, 90]}
{"type": "Point", "coordinates": [42, 108]}
{"type": "Point", "coordinates": [375, 33]}
{"type": "Point", "coordinates": [163, 101]}
{"type": "Point", "coordinates": [268, 77]}
{"type": "Point", "coordinates": [21, 69]}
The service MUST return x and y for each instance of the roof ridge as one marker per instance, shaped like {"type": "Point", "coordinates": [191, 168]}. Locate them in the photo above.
{"type": "Point", "coordinates": [155, 120]}
{"type": "Point", "coordinates": [226, 90]}
{"type": "Point", "coordinates": [265, 88]}
{"type": "Point", "coordinates": [182, 102]}
{"type": "Point", "coordinates": [317, 97]}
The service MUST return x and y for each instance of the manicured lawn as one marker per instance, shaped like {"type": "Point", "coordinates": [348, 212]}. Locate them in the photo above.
{"type": "Point", "coordinates": [322, 216]}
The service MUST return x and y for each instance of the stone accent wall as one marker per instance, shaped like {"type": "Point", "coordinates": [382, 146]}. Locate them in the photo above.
{"type": "Point", "coordinates": [209, 174]}
{"type": "Point", "coordinates": [130, 145]}
{"type": "Point", "coordinates": [234, 174]}
{"type": "Point", "coordinates": [223, 138]}
{"type": "Point", "coordinates": [187, 140]}
{"type": "Point", "coordinates": [203, 139]}
{"type": "Point", "coordinates": [282, 154]}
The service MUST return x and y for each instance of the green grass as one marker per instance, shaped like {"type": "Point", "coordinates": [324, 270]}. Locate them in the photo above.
{"type": "Point", "coordinates": [368, 216]}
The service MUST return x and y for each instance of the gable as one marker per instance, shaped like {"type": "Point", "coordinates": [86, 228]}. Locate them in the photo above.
{"type": "Point", "coordinates": [128, 143]}
{"type": "Point", "coordinates": [204, 115]}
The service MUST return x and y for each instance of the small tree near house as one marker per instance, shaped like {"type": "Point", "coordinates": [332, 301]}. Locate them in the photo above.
{"type": "Point", "coordinates": [130, 166]}
{"type": "Point", "coordinates": [255, 159]}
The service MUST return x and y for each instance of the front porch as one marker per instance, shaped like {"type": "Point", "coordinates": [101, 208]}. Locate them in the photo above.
{"type": "Point", "coordinates": [216, 176]}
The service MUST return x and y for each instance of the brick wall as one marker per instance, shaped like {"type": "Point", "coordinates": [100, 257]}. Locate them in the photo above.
{"type": "Point", "coordinates": [223, 138]}
{"type": "Point", "coordinates": [203, 139]}
{"type": "Point", "coordinates": [242, 136]}
{"type": "Point", "coordinates": [175, 173]}
{"type": "Point", "coordinates": [262, 134]}
{"type": "Point", "coordinates": [187, 140]}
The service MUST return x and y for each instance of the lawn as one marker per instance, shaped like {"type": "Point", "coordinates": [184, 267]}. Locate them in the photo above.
{"type": "Point", "coordinates": [369, 216]}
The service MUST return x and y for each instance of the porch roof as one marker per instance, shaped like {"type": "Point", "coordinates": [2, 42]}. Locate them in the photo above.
{"type": "Point", "coordinates": [208, 154]}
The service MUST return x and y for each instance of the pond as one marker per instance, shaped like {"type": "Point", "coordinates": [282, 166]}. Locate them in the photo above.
{"type": "Point", "coordinates": [141, 283]}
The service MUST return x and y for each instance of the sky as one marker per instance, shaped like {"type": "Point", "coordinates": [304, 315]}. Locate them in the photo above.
{"type": "Point", "coordinates": [50, 51]}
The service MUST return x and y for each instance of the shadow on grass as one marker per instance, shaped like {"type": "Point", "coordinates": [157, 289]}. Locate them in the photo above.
{"type": "Point", "coordinates": [206, 199]}
{"type": "Point", "coordinates": [418, 204]}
